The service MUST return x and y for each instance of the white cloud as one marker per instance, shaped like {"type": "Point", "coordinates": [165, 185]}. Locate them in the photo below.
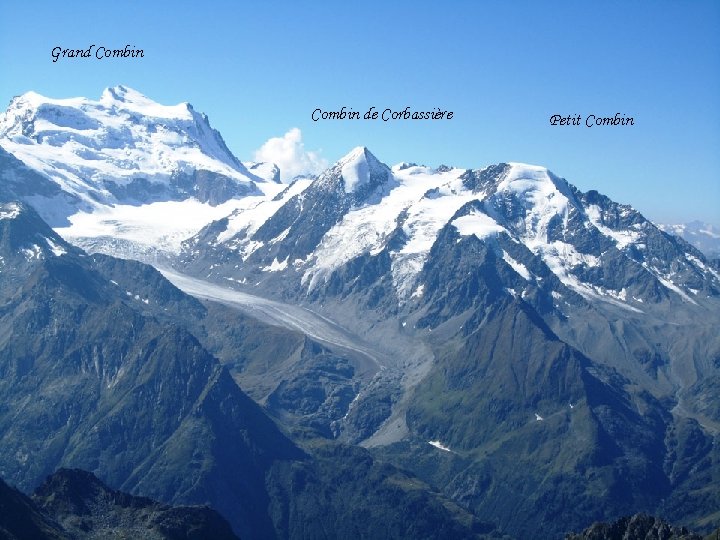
{"type": "Point", "coordinates": [288, 153]}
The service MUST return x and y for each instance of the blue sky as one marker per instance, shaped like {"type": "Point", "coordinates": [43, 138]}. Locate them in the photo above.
{"type": "Point", "coordinates": [503, 68]}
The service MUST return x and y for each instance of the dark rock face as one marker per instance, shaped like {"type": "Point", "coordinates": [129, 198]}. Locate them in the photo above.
{"type": "Point", "coordinates": [21, 519]}
{"type": "Point", "coordinates": [637, 527]}
{"type": "Point", "coordinates": [72, 503]}
{"type": "Point", "coordinates": [20, 181]}
{"type": "Point", "coordinates": [211, 187]}
{"type": "Point", "coordinates": [87, 508]}
{"type": "Point", "coordinates": [480, 180]}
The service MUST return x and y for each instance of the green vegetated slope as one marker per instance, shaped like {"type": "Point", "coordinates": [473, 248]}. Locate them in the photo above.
{"type": "Point", "coordinates": [543, 440]}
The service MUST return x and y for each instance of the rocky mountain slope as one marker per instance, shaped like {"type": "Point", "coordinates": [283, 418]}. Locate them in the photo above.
{"type": "Point", "coordinates": [74, 504]}
{"type": "Point", "coordinates": [411, 249]}
{"type": "Point", "coordinates": [96, 376]}
{"type": "Point", "coordinates": [91, 380]}
{"type": "Point", "coordinates": [634, 527]}
{"type": "Point", "coordinates": [20, 518]}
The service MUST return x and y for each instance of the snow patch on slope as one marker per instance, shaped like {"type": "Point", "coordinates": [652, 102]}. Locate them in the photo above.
{"type": "Point", "coordinates": [33, 252]}
{"type": "Point", "coordinates": [518, 267]}
{"type": "Point", "coordinates": [621, 238]}
{"type": "Point", "coordinates": [9, 211]}
{"type": "Point", "coordinates": [276, 266]}
{"type": "Point", "coordinates": [56, 249]}
{"type": "Point", "coordinates": [477, 223]}
{"type": "Point", "coordinates": [439, 445]}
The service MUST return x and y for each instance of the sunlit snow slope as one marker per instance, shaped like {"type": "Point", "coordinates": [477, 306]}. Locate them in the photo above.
{"type": "Point", "coordinates": [127, 168]}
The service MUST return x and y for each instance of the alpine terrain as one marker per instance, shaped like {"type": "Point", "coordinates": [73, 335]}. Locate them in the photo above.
{"type": "Point", "coordinates": [703, 236]}
{"type": "Point", "coordinates": [375, 351]}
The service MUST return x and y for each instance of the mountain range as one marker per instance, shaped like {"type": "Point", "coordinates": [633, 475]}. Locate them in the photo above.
{"type": "Point", "coordinates": [492, 345]}
{"type": "Point", "coordinates": [703, 236]}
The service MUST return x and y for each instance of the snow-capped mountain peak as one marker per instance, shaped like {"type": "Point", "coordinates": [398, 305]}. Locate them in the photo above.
{"type": "Point", "coordinates": [360, 168]}
{"type": "Point", "coordinates": [523, 177]}
{"type": "Point", "coordinates": [124, 147]}
{"type": "Point", "coordinates": [355, 169]}
{"type": "Point", "coordinates": [529, 198]}
{"type": "Point", "coordinates": [125, 160]}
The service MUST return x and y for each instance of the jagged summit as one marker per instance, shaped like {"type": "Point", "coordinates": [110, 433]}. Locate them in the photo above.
{"type": "Point", "coordinates": [129, 99]}
{"type": "Point", "coordinates": [359, 167]}
{"type": "Point", "coordinates": [357, 173]}
{"type": "Point", "coordinates": [83, 506]}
